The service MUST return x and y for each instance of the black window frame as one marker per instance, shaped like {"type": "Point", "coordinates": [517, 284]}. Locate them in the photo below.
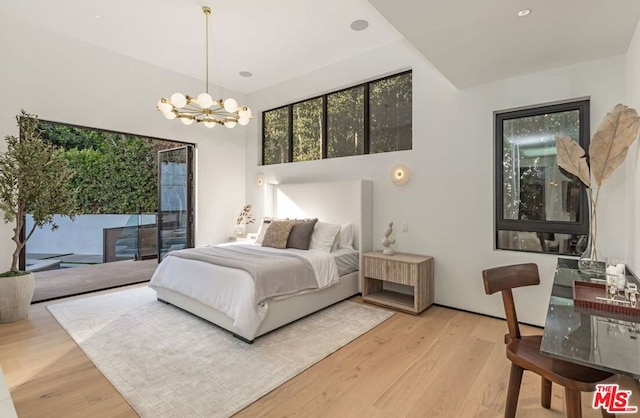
{"type": "Point", "coordinates": [289, 133]}
{"type": "Point", "coordinates": [23, 253]}
{"type": "Point", "coordinates": [366, 128]}
{"type": "Point", "coordinates": [292, 130]}
{"type": "Point", "coordinates": [365, 119]}
{"type": "Point", "coordinates": [580, 227]}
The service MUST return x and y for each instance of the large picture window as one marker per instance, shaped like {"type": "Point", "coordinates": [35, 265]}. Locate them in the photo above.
{"type": "Point", "coordinates": [539, 207]}
{"type": "Point", "coordinates": [364, 119]}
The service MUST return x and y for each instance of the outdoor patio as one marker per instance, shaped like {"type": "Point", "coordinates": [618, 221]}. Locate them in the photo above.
{"type": "Point", "coordinates": [53, 284]}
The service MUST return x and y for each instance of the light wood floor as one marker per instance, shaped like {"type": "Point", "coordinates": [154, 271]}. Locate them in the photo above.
{"type": "Point", "coordinates": [443, 363]}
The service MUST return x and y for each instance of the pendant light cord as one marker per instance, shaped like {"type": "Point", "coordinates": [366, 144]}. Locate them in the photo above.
{"type": "Point", "coordinates": [206, 11]}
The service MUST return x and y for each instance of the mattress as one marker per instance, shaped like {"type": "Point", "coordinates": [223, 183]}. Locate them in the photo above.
{"type": "Point", "coordinates": [232, 291]}
{"type": "Point", "coordinates": [347, 261]}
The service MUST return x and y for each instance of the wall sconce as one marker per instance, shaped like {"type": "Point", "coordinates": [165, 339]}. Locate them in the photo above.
{"type": "Point", "coordinates": [400, 175]}
{"type": "Point", "coordinates": [259, 180]}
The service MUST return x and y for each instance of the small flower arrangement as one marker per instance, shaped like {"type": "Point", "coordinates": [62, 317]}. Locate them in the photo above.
{"type": "Point", "coordinates": [245, 216]}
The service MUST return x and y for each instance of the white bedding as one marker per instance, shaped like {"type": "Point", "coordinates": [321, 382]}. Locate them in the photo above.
{"type": "Point", "coordinates": [347, 260]}
{"type": "Point", "coordinates": [229, 290]}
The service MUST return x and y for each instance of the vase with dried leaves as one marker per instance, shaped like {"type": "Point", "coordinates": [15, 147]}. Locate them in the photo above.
{"type": "Point", "coordinates": [607, 150]}
{"type": "Point", "coordinates": [244, 218]}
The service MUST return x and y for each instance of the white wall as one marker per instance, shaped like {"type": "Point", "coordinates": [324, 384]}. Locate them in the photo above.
{"type": "Point", "coordinates": [65, 80]}
{"type": "Point", "coordinates": [633, 158]}
{"type": "Point", "coordinates": [448, 203]}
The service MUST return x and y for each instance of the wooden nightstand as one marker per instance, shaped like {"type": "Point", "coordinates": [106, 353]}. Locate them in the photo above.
{"type": "Point", "coordinates": [242, 239]}
{"type": "Point", "coordinates": [413, 271]}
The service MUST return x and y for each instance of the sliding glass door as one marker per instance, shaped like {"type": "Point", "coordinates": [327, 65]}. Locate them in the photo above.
{"type": "Point", "coordinates": [175, 200]}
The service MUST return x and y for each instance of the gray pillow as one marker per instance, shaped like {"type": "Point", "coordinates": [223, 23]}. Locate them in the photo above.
{"type": "Point", "coordinates": [277, 234]}
{"type": "Point", "coordinates": [300, 235]}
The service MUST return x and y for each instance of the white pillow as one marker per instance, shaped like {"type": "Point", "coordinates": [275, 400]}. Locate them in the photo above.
{"type": "Point", "coordinates": [323, 236]}
{"type": "Point", "coordinates": [345, 238]}
{"type": "Point", "coordinates": [263, 228]}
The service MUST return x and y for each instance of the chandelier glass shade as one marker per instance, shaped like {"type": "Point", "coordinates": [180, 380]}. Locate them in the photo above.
{"type": "Point", "coordinates": [204, 108]}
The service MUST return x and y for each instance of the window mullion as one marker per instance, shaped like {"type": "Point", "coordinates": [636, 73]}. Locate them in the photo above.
{"type": "Point", "coordinates": [325, 125]}
{"type": "Point", "coordinates": [367, 123]}
{"type": "Point", "coordinates": [290, 158]}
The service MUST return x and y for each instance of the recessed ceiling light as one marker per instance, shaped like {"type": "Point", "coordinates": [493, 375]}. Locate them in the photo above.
{"type": "Point", "coordinates": [98, 16]}
{"type": "Point", "coordinates": [524, 12]}
{"type": "Point", "coordinates": [246, 73]}
{"type": "Point", "coordinates": [359, 25]}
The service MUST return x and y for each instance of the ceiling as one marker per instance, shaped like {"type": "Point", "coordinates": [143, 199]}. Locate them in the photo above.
{"type": "Point", "coordinates": [274, 40]}
{"type": "Point", "coordinates": [469, 41]}
{"type": "Point", "coordinates": [478, 41]}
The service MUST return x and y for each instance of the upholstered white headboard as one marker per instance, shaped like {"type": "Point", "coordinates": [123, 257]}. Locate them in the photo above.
{"type": "Point", "coordinates": [337, 202]}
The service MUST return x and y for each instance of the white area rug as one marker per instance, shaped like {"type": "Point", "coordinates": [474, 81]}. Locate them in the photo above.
{"type": "Point", "coordinates": [168, 363]}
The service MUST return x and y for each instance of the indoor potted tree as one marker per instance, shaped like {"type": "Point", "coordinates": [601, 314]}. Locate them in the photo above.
{"type": "Point", "coordinates": [34, 179]}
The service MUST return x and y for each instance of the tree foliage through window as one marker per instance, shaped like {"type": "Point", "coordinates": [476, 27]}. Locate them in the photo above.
{"type": "Point", "coordinates": [345, 123]}
{"type": "Point", "coordinates": [275, 136]}
{"type": "Point", "coordinates": [368, 118]}
{"type": "Point", "coordinates": [390, 111]}
{"type": "Point", "coordinates": [307, 130]}
{"type": "Point", "coordinates": [114, 172]}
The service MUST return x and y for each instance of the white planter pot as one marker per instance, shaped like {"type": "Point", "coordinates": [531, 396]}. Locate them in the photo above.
{"type": "Point", "coordinates": [15, 297]}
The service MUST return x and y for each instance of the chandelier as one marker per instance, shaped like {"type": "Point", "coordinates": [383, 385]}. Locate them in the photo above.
{"type": "Point", "coordinates": [203, 108]}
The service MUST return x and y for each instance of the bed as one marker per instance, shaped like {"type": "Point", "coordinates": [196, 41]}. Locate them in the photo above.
{"type": "Point", "coordinates": [179, 282]}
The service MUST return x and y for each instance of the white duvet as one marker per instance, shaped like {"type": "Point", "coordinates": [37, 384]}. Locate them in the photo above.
{"type": "Point", "coordinates": [232, 291]}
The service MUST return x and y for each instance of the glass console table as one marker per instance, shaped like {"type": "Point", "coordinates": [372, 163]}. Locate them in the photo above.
{"type": "Point", "coordinates": [591, 337]}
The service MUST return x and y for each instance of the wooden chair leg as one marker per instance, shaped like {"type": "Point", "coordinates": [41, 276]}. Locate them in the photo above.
{"type": "Point", "coordinates": [545, 393]}
{"type": "Point", "coordinates": [573, 402]}
{"type": "Point", "coordinates": [515, 379]}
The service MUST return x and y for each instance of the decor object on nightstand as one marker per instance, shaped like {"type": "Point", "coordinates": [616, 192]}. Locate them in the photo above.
{"type": "Point", "coordinates": [244, 218]}
{"type": "Point", "coordinates": [607, 150]}
{"type": "Point", "coordinates": [413, 273]}
{"type": "Point", "coordinates": [400, 175]}
{"type": "Point", "coordinates": [386, 241]}
{"type": "Point", "coordinates": [35, 180]}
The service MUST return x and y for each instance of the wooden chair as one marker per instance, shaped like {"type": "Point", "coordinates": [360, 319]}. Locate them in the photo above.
{"type": "Point", "coordinates": [524, 351]}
